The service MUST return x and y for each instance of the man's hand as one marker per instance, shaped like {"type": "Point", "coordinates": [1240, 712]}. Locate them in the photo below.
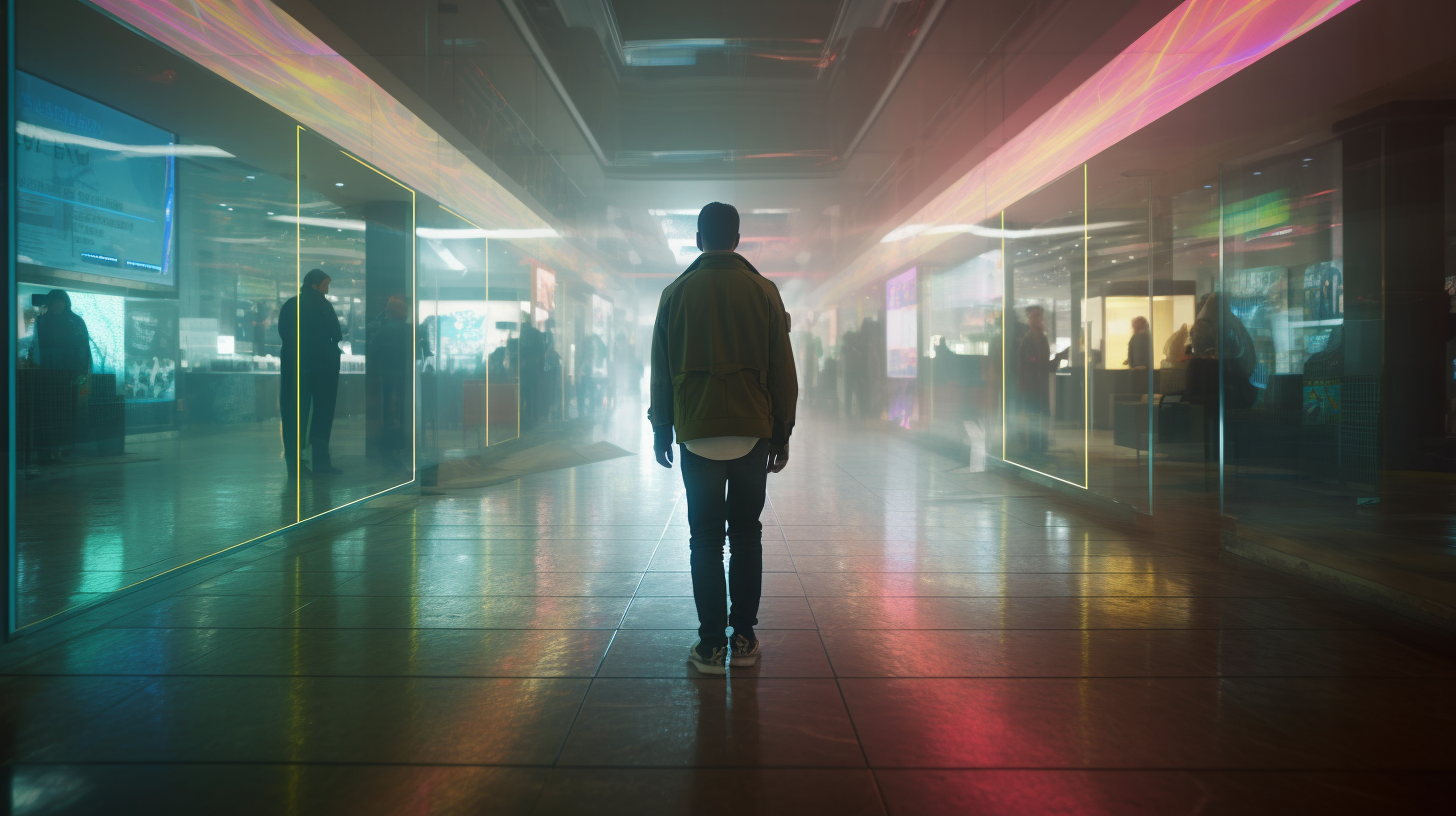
{"type": "Point", "coordinates": [778, 458]}
{"type": "Point", "coordinates": [662, 445]}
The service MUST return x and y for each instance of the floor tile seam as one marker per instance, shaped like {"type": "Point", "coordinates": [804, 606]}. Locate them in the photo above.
{"type": "Point", "coordinates": [832, 628]}
{"type": "Point", "coordinates": [778, 629]}
{"type": "Point", "coordinates": [849, 715]}
{"type": "Point", "coordinates": [1004, 597]}
{"type": "Point", "coordinates": [1106, 769]}
{"type": "Point", "coordinates": [581, 704]}
{"type": "Point", "coordinates": [380, 764]}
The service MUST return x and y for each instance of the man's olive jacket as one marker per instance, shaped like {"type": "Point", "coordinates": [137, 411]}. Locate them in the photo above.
{"type": "Point", "coordinates": [721, 360]}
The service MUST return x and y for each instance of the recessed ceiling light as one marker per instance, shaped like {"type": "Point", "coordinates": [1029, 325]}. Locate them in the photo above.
{"type": "Point", "coordinates": [338, 184]}
{"type": "Point", "coordinates": [270, 213]}
{"type": "Point", "coordinates": [250, 178]}
{"type": "Point", "coordinates": [1258, 172]}
{"type": "Point", "coordinates": [1208, 186]}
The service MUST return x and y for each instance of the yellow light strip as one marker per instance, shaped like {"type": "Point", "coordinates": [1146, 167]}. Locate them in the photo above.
{"type": "Point", "coordinates": [297, 323]}
{"type": "Point", "coordinates": [1048, 475]}
{"type": "Point", "coordinates": [1086, 352]}
{"type": "Point", "coordinates": [1006, 308]}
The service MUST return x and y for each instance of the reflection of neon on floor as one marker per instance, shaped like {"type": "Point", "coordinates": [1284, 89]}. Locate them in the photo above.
{"type": "Point", "coordinates": [1200, 44]}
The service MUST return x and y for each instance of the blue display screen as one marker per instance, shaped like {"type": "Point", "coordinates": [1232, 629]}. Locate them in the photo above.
{"type": "Point", "coordinates": [95, 188]}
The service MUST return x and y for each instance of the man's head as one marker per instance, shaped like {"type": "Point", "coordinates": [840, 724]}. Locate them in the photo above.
{"type": "Point", "coordinates": [1139, 324]}
{"type": "Point", "coordinates": [396, 308]}
{"type": "Point", "coordinates": [56, 300]}
{"type": "Point", "coordinates": [1036, 319]}
{"type": "Point", "coordinates": [318, 280]}
{"type": "Point", "coordinates": [718, 227]}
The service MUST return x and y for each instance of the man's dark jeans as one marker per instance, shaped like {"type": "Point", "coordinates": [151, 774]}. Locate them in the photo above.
{"type": "Point", "coordinates": [727, 493]}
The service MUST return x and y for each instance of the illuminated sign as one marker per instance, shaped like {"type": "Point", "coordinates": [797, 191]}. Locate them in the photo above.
{"type": "Point", "coordinates": [902, 349]}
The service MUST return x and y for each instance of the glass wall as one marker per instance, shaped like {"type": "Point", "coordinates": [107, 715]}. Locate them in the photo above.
{"type": "Point", "coordinates": [1046, 351]}
{"type": "Point", "coordinates": [963, 348]}
{"type": "Point", "coordinates": [1237, 309]}
{"type": "Point", "coordinates": [151, 274]}
{"type": "Point", "coordinates": [218, 325]}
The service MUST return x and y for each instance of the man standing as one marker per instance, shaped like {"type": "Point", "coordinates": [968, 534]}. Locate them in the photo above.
{"type": "Point", "coordinates": [1140, 345]}
{"type": "Point", "coordinates": [723, 378]}
{"type": "Point", "coordinates": [62, 345]}
{"type": "Point", "coordinates": [62, 342]}
{"type": "Point", "coordinates": [1035, 363]}
{"type": "Point", "coordinates": [309, 327]}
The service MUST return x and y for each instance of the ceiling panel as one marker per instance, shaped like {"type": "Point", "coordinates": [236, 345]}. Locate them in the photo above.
{"type": "Point", "coordinates": [738, 19]}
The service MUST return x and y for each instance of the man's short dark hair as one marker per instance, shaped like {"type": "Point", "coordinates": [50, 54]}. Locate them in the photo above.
{"type": "Point", "coordinates": [718, 225]}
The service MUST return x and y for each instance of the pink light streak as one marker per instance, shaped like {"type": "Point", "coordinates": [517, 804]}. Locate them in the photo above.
{"type": "Point", "coordinates": [261, 49]}
{"type": "Point", "coordinates": [1198, 45]}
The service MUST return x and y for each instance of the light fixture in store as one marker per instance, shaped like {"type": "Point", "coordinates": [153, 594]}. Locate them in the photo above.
{"type": "Point", "coordinates": [912, 230]}
{"type": "Point", "coordinates": [468, 234]}
{"type": "Point", "coordinates": [338, 184]}
{"type": "Point", "coordinates": [1258, 172]}
{"type": "Point", "coordinates": [250, 178]}
{"type": "Point", "coordinates": [61, 137]}
{"type": "Point", "coordinates": [352, 224]}
{"type": "Point", "coordinates": [446, 255]}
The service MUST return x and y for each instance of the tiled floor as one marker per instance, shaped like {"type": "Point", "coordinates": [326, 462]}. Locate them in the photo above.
{"type": "Point", "coordinates": [936, 642]}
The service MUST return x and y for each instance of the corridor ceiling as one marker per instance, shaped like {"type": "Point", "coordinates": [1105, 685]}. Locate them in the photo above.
{"type": "Point", "coordinates": [822, 120]}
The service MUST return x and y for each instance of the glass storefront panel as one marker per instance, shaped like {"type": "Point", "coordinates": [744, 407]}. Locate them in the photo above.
{"type": "Point", "coordinates": [150, 278]}
{"type": "Point", "coordinates": [962, 342]}
{"type": "Point", "coordinates": [1299, 430]}
{"type": "Point", "coordinates": [351, 366]}
{"type": "Point", "coordinates": [1128, 323]}
{"type": "Point", "coordinates": [1046, 268]}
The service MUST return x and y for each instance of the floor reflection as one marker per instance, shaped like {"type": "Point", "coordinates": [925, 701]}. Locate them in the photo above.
{"type": "Point", "coordinates": [937, 640]}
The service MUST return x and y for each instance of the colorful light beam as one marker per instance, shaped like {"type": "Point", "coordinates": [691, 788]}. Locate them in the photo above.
{"type": "Point", "coordinates": [1200, 44]}
{"type": "Point", "coordinates": [261, 49]}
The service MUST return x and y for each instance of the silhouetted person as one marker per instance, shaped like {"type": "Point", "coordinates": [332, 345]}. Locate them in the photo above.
{"type": "Point", "coordinates": [309, 328]}
{"type": "Point", "coordinates": [1140, 345]}
{"type": "Point", "coordinates": [1034, 365]}
{"type": "Point", "coordinates": [723, 380]}
{"type": "Point", "coordinates": [390, 349]}
{"type": "Point", "coordinates": [532, 373]}
{"type": "Point", "coordinates": [62, 342]}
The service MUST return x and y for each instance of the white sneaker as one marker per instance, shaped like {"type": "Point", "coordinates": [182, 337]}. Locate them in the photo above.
{"type": "Point", "coordinates": [745, 651]}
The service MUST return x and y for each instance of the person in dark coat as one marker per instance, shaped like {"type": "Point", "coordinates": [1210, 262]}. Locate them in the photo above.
{"type": "Point", "coordinates": [62, 342]}
{"type": "Point", "coordinates": [391, 338]}
{"type": "Point", "coordinates": [1034, 365]}
{"type": "Point", "coordinates": [1140, 345]}
{"type": "Point", "coordinates": [309, 328]}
